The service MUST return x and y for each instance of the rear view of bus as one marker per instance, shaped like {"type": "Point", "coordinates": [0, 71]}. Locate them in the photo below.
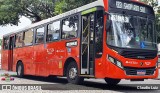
{"type": "Point", "coordinates": [130, 47]}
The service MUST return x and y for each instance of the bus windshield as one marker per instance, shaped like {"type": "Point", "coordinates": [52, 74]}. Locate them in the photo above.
{"type": "Point", "coordinates": [131, 32]}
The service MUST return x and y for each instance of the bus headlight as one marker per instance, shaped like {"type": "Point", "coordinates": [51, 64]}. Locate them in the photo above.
{"type": "Point", "coordinates": [119, 64]}
{"type": "Point", "coordinates": [116, 62]}
{"type": "Point", "coordinates": [111, 59]}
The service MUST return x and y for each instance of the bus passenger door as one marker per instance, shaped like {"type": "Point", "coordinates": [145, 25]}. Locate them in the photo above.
{"type": "Point", "coordinates": [39, 52]}
{"type": "Point", "coordinates": [10, 58]}
{"type": "Point", "coordinates": [87, 44]}
{"type": "Point", "coordinates": [5, 52]}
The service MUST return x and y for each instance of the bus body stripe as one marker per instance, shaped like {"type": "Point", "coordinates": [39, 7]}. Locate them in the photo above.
{"type": "Point", "coordinates": [89, 11]}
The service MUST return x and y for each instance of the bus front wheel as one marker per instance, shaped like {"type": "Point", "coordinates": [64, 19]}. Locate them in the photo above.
{"type": "Point", "coordinates": [20, 70]}
{"type": "Point", "coordinates": [72, 74]}
{"type": "Point", "coordinates": [111, 81]}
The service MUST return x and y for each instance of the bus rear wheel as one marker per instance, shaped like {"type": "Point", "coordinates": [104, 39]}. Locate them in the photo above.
{"type": "Point", "coordinates": [111, 81]}
{"type": "Point", "coordinates": [72, 74]}
{"type": "Point", "coordinates": [20, 70]}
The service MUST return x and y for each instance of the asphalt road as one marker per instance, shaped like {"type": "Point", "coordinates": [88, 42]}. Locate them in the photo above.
{"type": "Point", "coordinates": [60, 84]}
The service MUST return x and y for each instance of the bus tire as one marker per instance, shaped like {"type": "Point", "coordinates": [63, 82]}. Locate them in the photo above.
{"type": "Point", "coordinates": [111, 81]}
{"type": "Point", "coordinates": [73, 75]}
{"type": "Point", "coordinates": [20, 70]}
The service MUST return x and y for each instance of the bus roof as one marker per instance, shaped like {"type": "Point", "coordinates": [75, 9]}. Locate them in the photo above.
{"type": "Point", "coordinates": [80, 9]}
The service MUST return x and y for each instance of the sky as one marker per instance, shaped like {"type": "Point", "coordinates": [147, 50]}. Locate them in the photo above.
{"type": "Point", "coordinates": [8, 28]}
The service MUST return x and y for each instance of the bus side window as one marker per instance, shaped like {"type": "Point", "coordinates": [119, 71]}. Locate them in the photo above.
{"type": "Point", "coordinates": [70, 27]}
{"type": "Point", "coordinates": [28, 37]}
{"type": "Point", "coordinates": [53, 31]}
{"type": "Point", "coordinates": [19, 40]}
{"type": "Point", "coordinates": [5, 42]}
{"type": "Point", "coordinates": [40, 35]}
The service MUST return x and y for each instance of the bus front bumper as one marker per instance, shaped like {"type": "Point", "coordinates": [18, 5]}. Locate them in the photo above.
{"type": "Point", "coordinates": [131, 73]}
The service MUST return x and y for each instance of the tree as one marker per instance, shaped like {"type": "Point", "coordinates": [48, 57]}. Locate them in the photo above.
{"type": "Point", "coordinates": [36, 10]}
{"type": "Point", "coordinates": [154, 4]}
{"type": "Point", "coordinates": [66, 5]}
{"type": "Point", "coordinates": [8, 12]}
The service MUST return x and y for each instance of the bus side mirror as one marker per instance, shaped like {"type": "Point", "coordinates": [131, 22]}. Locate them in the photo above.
{"type": "Point", "coordinates": [108, 24]}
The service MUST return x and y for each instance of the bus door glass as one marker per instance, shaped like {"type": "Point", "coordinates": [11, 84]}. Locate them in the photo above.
{"type": "Point", "coordinates": [87, 44]}
{"type": "Point", "coordinates": [91, 41]}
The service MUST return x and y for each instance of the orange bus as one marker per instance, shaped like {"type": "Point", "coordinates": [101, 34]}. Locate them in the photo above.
{"type": "Point", "coordinates": [107, 39]}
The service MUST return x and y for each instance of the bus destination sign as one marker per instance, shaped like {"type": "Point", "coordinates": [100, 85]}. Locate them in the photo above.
{"type": "Point", "coordinates": [130, 6]}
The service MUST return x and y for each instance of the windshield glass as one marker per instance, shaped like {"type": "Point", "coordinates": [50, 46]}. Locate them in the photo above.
{"type": "Point", "coordinates": [131, 32]}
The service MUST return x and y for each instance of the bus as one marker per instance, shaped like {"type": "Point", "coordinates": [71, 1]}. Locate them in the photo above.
{"type": "Point", "coordinates": [106, 39]}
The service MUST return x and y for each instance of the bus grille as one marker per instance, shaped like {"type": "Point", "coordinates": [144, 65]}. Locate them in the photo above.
{"type": "Point", "coordinates": [139, 54]}
{"type": "Point", "coordinates": [133, 71]}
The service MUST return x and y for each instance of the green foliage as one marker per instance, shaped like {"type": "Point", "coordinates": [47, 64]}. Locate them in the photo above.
{"type": "Point", "coordinates": [60, 7]}
{"type": "Point", "coordinates": [66, 5]}
{"type": "Point", "coordinates": [7, 12]}
{"type": "Point", "coordinates": [154, 4]}
{"type": "Point", "coordinates": [36, 10]}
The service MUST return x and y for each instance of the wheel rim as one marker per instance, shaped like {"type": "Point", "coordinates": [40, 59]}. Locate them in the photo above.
{"type": "Point", "coordinates": [19, 69]}
{"type": "Point", "coordinates": [72, 73]}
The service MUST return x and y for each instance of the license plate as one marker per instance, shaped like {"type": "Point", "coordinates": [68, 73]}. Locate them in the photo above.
{"type": "Point", "coordinates": [141, 72]}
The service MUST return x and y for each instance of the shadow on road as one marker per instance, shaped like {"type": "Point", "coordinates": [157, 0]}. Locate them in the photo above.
{"type": "Point", "coordinates": [62, 84]}
{"type": "Point", "coordinates": [49, 79]}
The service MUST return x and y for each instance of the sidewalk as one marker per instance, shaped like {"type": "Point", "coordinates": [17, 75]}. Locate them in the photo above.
{"type": "Point", "coordinates": [2, 72]}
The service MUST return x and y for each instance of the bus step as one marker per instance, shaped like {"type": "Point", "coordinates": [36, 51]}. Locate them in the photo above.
{"type": "Point", "coordinates": [91, 71]}
{"type": "Point", "coordinates": [90, 76]}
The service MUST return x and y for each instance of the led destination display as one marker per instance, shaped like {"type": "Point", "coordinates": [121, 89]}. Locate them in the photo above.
{"type": "Point", "coordinates": [130, 6]}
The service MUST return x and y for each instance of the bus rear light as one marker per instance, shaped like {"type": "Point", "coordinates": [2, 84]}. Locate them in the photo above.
{"type": "Point", "coordinates": [114, 61]}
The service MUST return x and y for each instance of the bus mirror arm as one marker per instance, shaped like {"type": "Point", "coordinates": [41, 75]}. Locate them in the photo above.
{"type": "Point", "coordinates": [107, 13]}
